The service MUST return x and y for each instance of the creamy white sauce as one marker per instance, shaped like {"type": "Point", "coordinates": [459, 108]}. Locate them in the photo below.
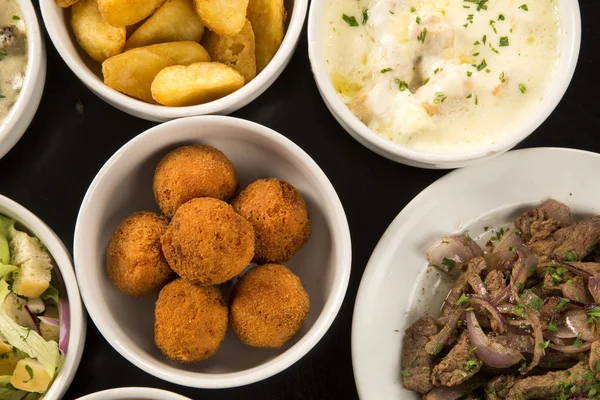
{"type": "Point", "coordinates": [13, 56]}
{"type": "Point", "coordinates": [414, 71]}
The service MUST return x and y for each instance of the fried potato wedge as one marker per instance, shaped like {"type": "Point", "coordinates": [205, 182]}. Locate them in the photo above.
{"type": "Point", "coordinates": [195, 84]}
{"type": "Point", "coordinates": [267, 18]}
{"type": "Point", "coordinates": [174, 21]}
{"type": "Point", "coordinates": [236, 51]}
{"type": "Point", "coordinates": [127, 12]}
{"type": "Point", "coordinates": [66, 3]}
{"type": "Point", "coordinates": [133, 71]}
{"type": "Point", "coordinates": [132, 28]}
{"type": "Point", "coordinates": [224, 17]}
{"type": "Point", "coordinates": [97, 38]}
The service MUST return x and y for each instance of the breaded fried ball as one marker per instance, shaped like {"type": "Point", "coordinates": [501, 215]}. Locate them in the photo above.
{"type": "Point", "coordinates": [134, 258]}
{"type": "Point", "coordinates": [207, 242]}
{"type": "Point", "coordinates": [193, 171]}
{"type": "Point", "coordinates": [190, 321]}
{"type": "Point", "coordinates": [279, 216]}
{"type": "Point", "coordinates": [268, 306]}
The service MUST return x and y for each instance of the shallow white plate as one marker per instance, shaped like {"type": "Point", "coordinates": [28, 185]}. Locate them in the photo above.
{"type": "Point", "coordinates": [133, 393]}
{"type": "Point", "coordinates": [398, 286]}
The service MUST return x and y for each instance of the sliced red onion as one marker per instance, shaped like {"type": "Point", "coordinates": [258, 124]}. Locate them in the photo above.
{"type": "Point", "coordinates": [502, 296]}
{"type": "Point", "coordinates": [518, 276]}
{"type": "Point", "coordinates": [558, 211]}
{"type": "Point", "coordinates": [491, 353]}
{"type": "Point", "coordinates": [538, 337]}
{"type": "Point", "coordinates": [510, 241]}
{"type": "Point", "coordinates": [500, 324]}
{"type": "Point", "coordinates": [31, 321]}
{"type": "Point", "coordinates": [454, 392]}
{"type": "Point", "coordinates": [437, 342]}
{"type": "Point", "coordinates": [594, 287]}
{"type": "Point", "coordinates": [501, 261]}
{"type": "Point", "coordinates": [36, 305]}
{"type": "Point", "coordinates": [50, 321]}
{"type": "Point", "coordinates": [562, 332]}
{"type": "Point", "coordinates": [478, 286]}
{"type": "Point", "coordinates": [450, 253]}
{"type": "Point", "coordinates": [571, 349]}
{"type": "Point", "coordinates": [64, 315]}
{"type": "Point", "coordinates": [577, 321]}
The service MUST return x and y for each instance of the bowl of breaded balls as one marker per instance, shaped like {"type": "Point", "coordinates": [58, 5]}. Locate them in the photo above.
{"type": "Point", "coordinates": [212, 252]}
{"type": "Point", "coordinates": [166, 59]}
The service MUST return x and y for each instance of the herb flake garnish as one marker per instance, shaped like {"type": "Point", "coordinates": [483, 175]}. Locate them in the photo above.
{"type": "Point", "coordinates": [383, 71]}
{"type": "Point", "coordinates": [350, 20]}
{"type": "Point", "coordinates": [448, 262]}
{"type": "Point", "coordinates": [463, 300]}
{"type": "Point", "coordinates": [423, 35]}
{"type": "Point", "coordinates": [504, 41]}
{"type": "Point", "coordinates": [365, 15]}
{"type": "Point", "coordinates": [30, 372]}
{"type": "Point", "coordinates": [524, 7]}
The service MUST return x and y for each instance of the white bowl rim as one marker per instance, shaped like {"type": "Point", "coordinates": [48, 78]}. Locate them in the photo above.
{"type": "Point", "coordinates": [396, 151]}
{"type": "Point", "coordinates": [35, 74]}
{"type": "Point", "coordinates": [236, 99]}
{"type": "Point", "coordinates": [135, 392]}
{"type": "Point", "coordinates": [388, 236]}
{"type": "Point", "coordinates": [77, 329]}
{"type": "Point", "coordinates": [330, 310]}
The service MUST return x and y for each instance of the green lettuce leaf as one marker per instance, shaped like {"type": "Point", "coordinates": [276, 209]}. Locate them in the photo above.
{"type": "Point", "coordinates": [50, 293]}
{"type": "Point", "coordinates": [27, 340]}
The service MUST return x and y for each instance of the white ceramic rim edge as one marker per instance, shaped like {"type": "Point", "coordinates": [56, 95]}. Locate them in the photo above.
{"type": "Point", "coordinates": [30, 96]}
{"type": "Point", "coordinates": [233, 101]}
{"type": "Point", "coordinates": [299, 349]}
{"type": "Point", "coordinates": [395, 151]}
{"type": "Point", "coordinates": [63, 260]}
{"type": "Point", "coordinates": [149, 393]}
{"type": "Point", "coordinates": [388, 236]}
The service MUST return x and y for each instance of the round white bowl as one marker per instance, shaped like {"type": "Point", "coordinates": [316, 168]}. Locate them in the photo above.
{"type": "Point", "coordinates": [22, 112]}
{"type": "Point", "coordinates": [124, 185]}
{"type": "Point", "coordinates": [134, 393]}
{"type": "Point", "coordinates": [570, 21]}
{"type": "Point", "coordinates": [89, 71]}
{"type": "Point", "coordinates": [63, 261]}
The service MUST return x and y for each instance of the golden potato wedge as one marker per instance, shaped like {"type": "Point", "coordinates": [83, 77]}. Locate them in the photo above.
{"type": "Point", "coordinates": [127, 12]}
{"type": "Point", "coordinates": [195, 84]}
{"type": "Point", "coordinates": [267, 18]}
{"type": "Point", "coordinates": [174, 21]}
{"type": "Point", "coordinates": [97, 38]}
{"type": "Point", "coordinates": [133, 71]}
{"type": "Point", "coordinates": [66, 3]}
{"type": "Point", "coordinates": [236, 51]}
{"type": "Point", "coordinates": [225, 17]}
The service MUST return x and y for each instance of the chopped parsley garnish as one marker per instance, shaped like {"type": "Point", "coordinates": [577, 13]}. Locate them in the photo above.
{"type": "Point", "coordinates": [16, 17]}
{"type": "Point", "coordinates": [501, 17]}
{"type": "Point", "coordinates": [30, 372]}
{"type": "Point", "coordinates": [471, 364]}
{"type": "Point", "coordinates": [484, 39]}
{"type": "Point", "coordinates": [479, 68]}
{"type": "Point", "coordinates": [588, 376]}
{"type": "Point", "coordinates": [391, 12]}
{"type": "Point", "coordinates": [578, 342]}
{"type": "Point", "coordinates": [418, 20]}
{"type": "Point", "coordinates": [413, 364]}
{"type": "Point", "coordinates": [2, 55]}
{"type": "Point", "coordinates": [365, 14]}
{"type": "Point", "coordinates": [403, 86]}
{"type": "Point", "coordinates": [383, 71]}
{"type": "Point", "coordinates": [562, 303]}
{"type": "Point", "coordinates": [412, 9]}
{"type": "Point", "coordinates": [480, 4]}
{"type": "Point", "coordinates": [523, 365]}
{"type": "Point", "coordinates": [524, 7]}
{"type": "Point", "coordinates": [423, 35]}
{"type": "Point", "coordinates": [569, 282]}
{"type": "Point", "coordinates": [594, 315]}
{"type": "Point", "coordinates": [462, 373]}
{"type": "Point", "coordinates": [439, 98]}
{"type": "Point", "coordinates": [425, 83]}
{"type": "Point", "coordinates": [470, 95]}
{"type": "Point", "coordinates": [469, 73]}
{"type": "Point", "coordinates": [435, 71]}
{"type": "Point", "coordinates": [476, 100]}
{"type": "Point", "coordinates": [492, 22]}
{"type": "Point", "coordinates": [522, 88]}
{"type": "Point", "coordinates": [20, 308]}
{"type": "Point", "coordinates": [463, 300]}
{"type": "Point", "coordinates": [504, 41]}
{"type": "Point", "coordinates": [475, 54]}
{"type": "Point", "coordinates": [470, 18]}
{"type": "Point", "coordinates": [476, 43]}
{"type": "Point", "coordinates": [519, 285]}
{"type": "Point", "coordinates": [406, 373]}
{"type": "Point", "coordinates": [350, 20]}
{"type": "Point", "coordinates": [570, 254]}
{"type": "Point", "coordinates": [473, 349]}
{"type": "Point", "coordinates": [495, 51]}
{"type": "Point", "coordinates": [544, 345]}
{"type": "Point", "coordinates": [552, 327]}
{"type": "Point", "coordinates": [2, 96]}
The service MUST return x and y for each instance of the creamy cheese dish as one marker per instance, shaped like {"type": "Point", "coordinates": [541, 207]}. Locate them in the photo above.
{"type": "Point", "coordinates": [13, 55]}
{"type": "Point", "coordinates": [442, 75]}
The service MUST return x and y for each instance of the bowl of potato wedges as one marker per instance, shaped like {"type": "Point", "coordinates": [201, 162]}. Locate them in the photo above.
{"type": "Point", "coordinates": [166, 59]}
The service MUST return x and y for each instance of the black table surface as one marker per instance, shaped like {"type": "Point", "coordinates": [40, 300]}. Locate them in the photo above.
{"type": "Point", "coordinates": [50, 169]}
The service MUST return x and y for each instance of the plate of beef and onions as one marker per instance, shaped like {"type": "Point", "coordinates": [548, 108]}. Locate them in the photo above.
{"type": "Point", "coordinates": [487, 286]}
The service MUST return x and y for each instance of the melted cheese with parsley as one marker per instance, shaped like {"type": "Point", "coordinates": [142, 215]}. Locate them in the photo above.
{"type": "Point", "coordinates": [442, 75]}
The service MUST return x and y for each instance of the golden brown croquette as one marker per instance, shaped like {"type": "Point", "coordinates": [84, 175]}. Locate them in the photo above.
{"type": "Point", "coordinates": [207, 242]}
{"type": "Point", "coordinates": [279, 216]}
{"type": "Point", "coordinates": [134, 259]}
{"type": "Point", "coordinates": [193, 171]}
{"type": "Point", "coordinates": [268, 306]}
{"type": "Point", "coordinates": [190, 321]}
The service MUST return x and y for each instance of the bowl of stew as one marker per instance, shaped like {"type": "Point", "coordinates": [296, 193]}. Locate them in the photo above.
{"type": "Point", "coordinates": [22, 70]}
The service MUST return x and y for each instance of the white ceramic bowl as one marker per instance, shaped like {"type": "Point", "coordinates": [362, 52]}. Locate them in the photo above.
{"type": "Point", "coordinates": [22, 112]}
{"type": "Point", "coordinates": [398, 286]}
{"type": "Point", "coordinates": [90, 72]}
{"type": "Point", "coordinates": [63, 261]}
{"type": "Point", "coordinates": [134, 393]}
{"type": "Point", "coordinates": [124, 185]}
{"type": "Point", "coordinates": [569, 49]}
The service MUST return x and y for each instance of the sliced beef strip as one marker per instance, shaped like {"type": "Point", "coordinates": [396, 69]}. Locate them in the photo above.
{"type": "Point", "coordinates": [8, 35]}
{"type": "Point", "coordinates": [522, 343]}
{"type": "Point", "coordinates": [553, 384]}
{"type": "Point", "coordinates": [416, 362]}
{"type": "Point", "coordinates": [536, 224]}
{"type": "Point", "coordinates": [555, 359]}
{"type": "Point", "coordinates": [495, 282]}
{"type": "Point", "coordinates": [458, 366]}
{"type": "Point", "coordinates": [571, 286]}
{"type": "Point", "coordinates": [595, 358]}
{"type": "Point", "coordinates": [558, 211]}
{"type": "Point", "coordinates": [497, 388]}
{"type": "Point", "coordinates": [550, 309]}
{"type": "Point", "coordinates": [475, 266]}
{"type": "Point", "coordinates": [575, 240]}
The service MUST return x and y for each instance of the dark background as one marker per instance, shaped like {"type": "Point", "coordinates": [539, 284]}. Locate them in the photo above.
{"type": "Point", "coordinates": [50, 169]}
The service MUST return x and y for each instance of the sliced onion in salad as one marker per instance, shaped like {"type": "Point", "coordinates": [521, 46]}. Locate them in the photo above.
{"type": "Point", "coordinates": [491, 353]}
